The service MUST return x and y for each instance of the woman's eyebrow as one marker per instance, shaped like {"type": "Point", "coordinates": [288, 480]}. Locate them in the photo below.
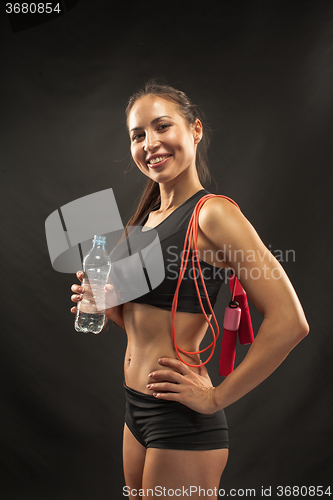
{"type": "Point", "coordinates": [152, 123]}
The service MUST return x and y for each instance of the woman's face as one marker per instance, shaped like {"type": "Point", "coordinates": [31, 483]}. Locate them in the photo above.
{"type": "Point", "coordinates": [163, 144]}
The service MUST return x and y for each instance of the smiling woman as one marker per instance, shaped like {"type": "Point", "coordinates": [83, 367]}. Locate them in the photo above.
{"type": "Point", "coordinates": [175, 433]}
{"type": "Point", "coordinates": [162, 149]}
{"type": "Point", "coordinates": [190, 113]}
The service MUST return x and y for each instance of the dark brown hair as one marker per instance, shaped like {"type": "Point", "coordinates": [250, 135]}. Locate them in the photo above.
{"type": "Point", "coordinates": [151, 194]}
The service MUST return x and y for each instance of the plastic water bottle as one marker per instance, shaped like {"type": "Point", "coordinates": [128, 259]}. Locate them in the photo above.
{"type": "Point", "coordinates": [90, 315]}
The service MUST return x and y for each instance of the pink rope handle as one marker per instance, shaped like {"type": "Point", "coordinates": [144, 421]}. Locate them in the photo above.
{"type": "Point", "coordinates": [192, 234]}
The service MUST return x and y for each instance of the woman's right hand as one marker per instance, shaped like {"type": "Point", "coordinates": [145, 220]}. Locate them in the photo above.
{"type": "Point", "coordinates": [78, 291]}
{"type": "Point", "coordinates": [83, 292]}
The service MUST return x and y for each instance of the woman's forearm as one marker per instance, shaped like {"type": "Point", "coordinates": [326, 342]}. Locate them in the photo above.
{"type": "Point", "coordinates": [272, 344]}
{"type": "Point", "coordinates": [115, 314]}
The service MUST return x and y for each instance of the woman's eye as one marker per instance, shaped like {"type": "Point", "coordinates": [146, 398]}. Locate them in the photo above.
{"type": "Point", "coordinates": [163, 126]}
{"type": "Point", "coordinates": [136, 136]}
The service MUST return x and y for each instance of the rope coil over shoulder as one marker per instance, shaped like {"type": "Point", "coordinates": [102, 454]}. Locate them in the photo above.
{"type": "Point", "coordinates": [237, 314]}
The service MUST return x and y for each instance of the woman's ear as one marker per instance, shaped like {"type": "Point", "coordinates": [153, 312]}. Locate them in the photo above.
{"type": "Point", "coordinates": [197, 131]}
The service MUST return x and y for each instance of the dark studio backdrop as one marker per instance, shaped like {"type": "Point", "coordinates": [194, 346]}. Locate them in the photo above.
{"type": "Point", "coordinates": [262, 73]}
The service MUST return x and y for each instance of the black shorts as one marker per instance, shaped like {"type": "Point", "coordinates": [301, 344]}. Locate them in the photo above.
{"type": "Point", "coordinates": [158, 423]}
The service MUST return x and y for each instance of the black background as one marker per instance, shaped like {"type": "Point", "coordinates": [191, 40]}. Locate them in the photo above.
{"type": "Point", "coordinates": [262, 73]}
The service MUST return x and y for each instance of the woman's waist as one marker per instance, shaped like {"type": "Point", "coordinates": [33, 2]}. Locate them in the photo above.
{"type": "Point", "coordinates": [146, 348]}
{"type": "Point", "coordinates": [139, 363]}
{"type": "Point", "coordinates": [147, 356]}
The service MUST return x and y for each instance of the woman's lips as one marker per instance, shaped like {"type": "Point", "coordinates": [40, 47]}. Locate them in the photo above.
{"type": "Point", "coordinates": [160, 163]}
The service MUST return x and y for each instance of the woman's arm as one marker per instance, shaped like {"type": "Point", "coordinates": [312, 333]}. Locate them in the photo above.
{"type": "Point", "coordinates": [223, 226]}
{"type": "Point", "coordinates": [268, 288]}
{"type": "Point", "coordinates": [116, 315]}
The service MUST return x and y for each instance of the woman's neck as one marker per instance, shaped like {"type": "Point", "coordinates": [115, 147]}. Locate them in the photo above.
{"type": "Point", "coordinates": [173, 195]}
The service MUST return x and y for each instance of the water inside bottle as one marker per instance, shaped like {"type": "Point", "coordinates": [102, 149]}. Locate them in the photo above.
{"type": "Point", "coordinates": [86, 322]}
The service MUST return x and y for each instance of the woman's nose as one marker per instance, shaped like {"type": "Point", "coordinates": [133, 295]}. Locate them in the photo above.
{"type": "Point", "coordinates": [151, 142]}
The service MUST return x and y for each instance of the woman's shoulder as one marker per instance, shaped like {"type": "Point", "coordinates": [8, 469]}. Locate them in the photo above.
{"type": "Point", "coordinates": [222, 221]}
{"type": "Point", "coordinates": [216, 210]}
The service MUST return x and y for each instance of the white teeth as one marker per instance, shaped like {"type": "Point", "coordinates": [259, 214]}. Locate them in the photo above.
{"type": "Point", "coordinates": [158, 159]}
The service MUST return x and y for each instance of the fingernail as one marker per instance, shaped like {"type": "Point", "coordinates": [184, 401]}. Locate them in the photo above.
{"type": "Point", "coordinates": [148, 386]}
{"type": "Point", "coordinates": [81, 289]}
{"type": "Point", "coordinates": [160, 360]}
{"type": "Point", "coordinates": [108, 288]}
{"type": "Point", "coordinates": [150, 375]}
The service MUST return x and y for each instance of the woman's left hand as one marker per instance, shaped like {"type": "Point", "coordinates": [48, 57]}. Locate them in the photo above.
{"type": "Point", "coordinates": [193, 390]}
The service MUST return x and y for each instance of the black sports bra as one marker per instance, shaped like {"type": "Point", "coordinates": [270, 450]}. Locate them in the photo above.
{"type": "Point", "coordinates": [171, 232]}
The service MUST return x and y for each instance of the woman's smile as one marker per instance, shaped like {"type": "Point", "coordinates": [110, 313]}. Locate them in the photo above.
{"type": "Point", "coordinates": [156, 161]}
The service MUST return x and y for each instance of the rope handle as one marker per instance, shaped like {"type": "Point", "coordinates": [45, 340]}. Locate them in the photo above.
{"type": "Point", "coordinates": [192, 234]}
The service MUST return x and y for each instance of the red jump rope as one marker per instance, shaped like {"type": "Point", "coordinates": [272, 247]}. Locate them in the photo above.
{"type": "Point", "coordinates": [237, 315]}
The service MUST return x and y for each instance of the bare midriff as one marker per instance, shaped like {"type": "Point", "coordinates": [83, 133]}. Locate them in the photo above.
{"type": "Point", "coordinates": [148, 331]}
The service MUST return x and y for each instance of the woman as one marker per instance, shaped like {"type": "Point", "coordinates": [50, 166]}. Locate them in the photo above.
{"type": "Point", "coordinates": [167, 138]}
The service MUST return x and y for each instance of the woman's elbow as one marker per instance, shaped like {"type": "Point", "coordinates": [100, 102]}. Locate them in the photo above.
{"type": "Point", "coordinates": [298, 329]}
{"type": "Point", "coordinates": [290, 327]}
{"type": "Point", "coordinates": [304, 329]}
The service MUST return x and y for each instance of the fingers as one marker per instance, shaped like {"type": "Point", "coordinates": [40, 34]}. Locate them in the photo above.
{"type": "Point", "coordinates": [76, 298]}
{"type": "Point", "coordinates": [169, 396]}
{"type": "Point", "coordinates": [171, 381]}
{"type": "Point", "coordinates": [164, 387]}
{"type": "Point", "coordinates": [113, 296]}
{"type": "Point", "coordinates": [77, 289]}
{"type": "Point", "coordinates": [176, 364]}
{"type": "Point", "coordinates": [165, 375]}
{"type": "Point", "coordinates": [80, 275]}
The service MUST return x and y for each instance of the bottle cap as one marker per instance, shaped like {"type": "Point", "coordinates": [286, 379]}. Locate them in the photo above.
{"type": "Point", "coordinates": [99, 239]}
